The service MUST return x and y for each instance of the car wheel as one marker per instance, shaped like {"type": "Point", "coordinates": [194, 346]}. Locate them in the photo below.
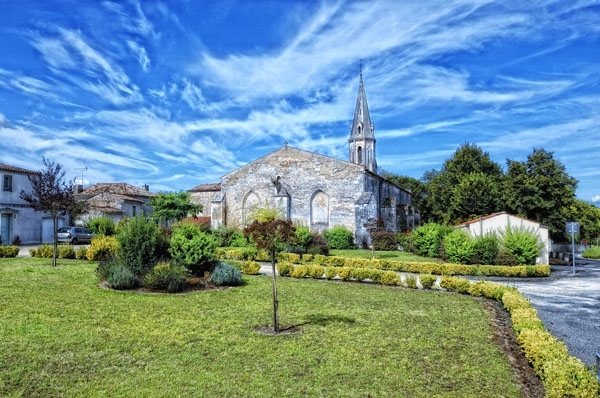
{"type": "Point", "coordinates": [74, 241]}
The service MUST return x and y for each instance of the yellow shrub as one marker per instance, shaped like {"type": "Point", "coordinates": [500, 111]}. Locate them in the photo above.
{"type": "Point", "coordinates": [513, 300]}
{"type": "Point", "coordinates": [299, 271]}
{"type": "Point", "coordinates": [101, 247]}
{"type": "Point", "coordinates": [285, 268]}
{"type": "Point", "coordinates": [250, 267]}
{"type": "Point", "coordinates": [390, 278]}
{"type": "Point", "coordinates": [315, 271]}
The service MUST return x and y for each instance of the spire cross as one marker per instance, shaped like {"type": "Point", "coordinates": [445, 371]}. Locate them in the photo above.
{"type": "Point", "coordinates": [360, 66]}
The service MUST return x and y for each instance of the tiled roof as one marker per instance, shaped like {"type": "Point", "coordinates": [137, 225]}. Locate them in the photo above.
{"type": "Point", "coordinates": [501, 213]}
{"type": "Point", "coordinates": [117, 188]}
{"type": "Point", "coordinates": [15, 169]}
{"type": "Point", "coordinates": [216, 186]}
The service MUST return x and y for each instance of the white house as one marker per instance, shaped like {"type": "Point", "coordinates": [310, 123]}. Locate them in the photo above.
{"type": "Point", "coordinates": [499, 221]}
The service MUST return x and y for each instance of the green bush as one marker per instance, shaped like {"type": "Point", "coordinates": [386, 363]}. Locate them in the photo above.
{"type": "Point", "coordinates": [592, 252]}
{"type": "Point", "coordinates": [303, 235]}
{"type": "Point", "coordinates": [250, 267]}
{"type": "Point", "coordinates": [104, 266]}
{"type": "Point", "coordinates": [522, 243]}
{"type": "Point", "coordinates": [226, 275]}
{"type": "Point", "coordinates": [315, 271]}
{"type": "Point", "coordinates": [405, 241]}
{"type": "Point", "coordinates": [340, 238]}
{"type": "Point", "coordinates": [166, 276]}
{"type": "Point", "coordinates": [318, 245]}
{"type": "Point", "coordinates": [458, 247]}
{"type": "Point", "coordinates": [299, 271]}
{"type": "Point", "coordinates": [427, 280]}
{"type": "Point", "coordinates": [384, 240]}
{"type": "Point", "coordinates": [9, 251]}
{"type": "Point", "coordinates": [506, 259]}
{"type": "Point", "coordinates": [120, 277]}
{"type": "Point", "coordinates": [81, 253]}
{"type": "Point", "coordinates": [427, 239]}
{"type": "Point", "coordinates": [102, 226]}
{"type": "Point", "coordinates": [410, 281]}
{"type": "Point", "coordinates": [390, 278]}
{"type": "Point", "coordinates": [454, 284]}
{"type": "Point", "coordinates": [193, 248]}
{"type": "Point", "coordinates": [101, 248]}
{"type": "Point", "coordinates": [138, 239]}
{"type": "Point", "coordinates": [285, 268]}
{"type": "Point", "coordinates": [486, 248]}
{"type": "Point", "coordinates": [65, 251]}
{"type": "Point", "coordinates": [238, 239]}
{"type": "Point", "coordinates": [489, 290]}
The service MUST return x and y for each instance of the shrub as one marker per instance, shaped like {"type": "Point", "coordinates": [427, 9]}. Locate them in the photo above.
{"type": "Point", "coordinates": [318, 245]}
{"type": "Point", "coordinates": [454, 284]}
{"type": "Point", "coordinates": [345, 273]}
{"type": "Point", "coordinates": [193, 248]}
{"type": "Point", "coordinates": [427, 239]}
{"type": "Point", "coordinates": [65, 251]}
{"type": "Point", "coordinates": [104, 266]}
{"type": "Point", "coordinates": [250, 267]}
{"type": "Point", "coordinates": [304, 236]}
{"type": "Point", "coordinates": [138, 240]}
{"type": "Point", "coordinates": [405, 241]}
{"type": "Point", "coordinates": [427, 280]}
{"type": "Point", "coordinates": [506, 259]}
{"type": "Point", "coordinates": [166, 276]}
{"type": "Point", "coordinates": [120, 277]}
{"type": "Point", "coordinates": [486, 248]}
{"type": "Point", "coordinates": [238, 239]}
{"type": "Point", "coordinates": [384, 240]}
{"type": "Point", "coordinates": [390, 278]}
{"type": "Point", "coordinates": [285, 268]}
{"type": "Point", "coordinates": [44, 251]}
{"type": "Point", "coordinates": [9, 251]}
{"type": "Point", "coordinates": [226, 274]}
{"type": "Point", "coordinates": [592, 252]}
{"type": "Point", "coordinates": [102, 226]}
{"type": "Point", "coordinates": [299, 271]}
{"type": "Point", "coordinates": [340, 238]}
{"type": "Point", "coordinates": [489, 290]}
{"type": "Point", "coordinates": [375, 275]}
{"type": "Point", "coordinates": [410, 281]}
{"type": "Point", "coordinates": [81, 253]}
{"type": "Point", "coordinates": [522, 243]}
{"type": "Point", "coordinates": [458, 247]}
{"type": "Point", "coordinates": [330, 272]}
{"type": "Point", "coordinates": [360, 274]}
{"type": "Point", "coordinates": [315, 271]}
{"type": "Point", "coordinates": [101, 248]}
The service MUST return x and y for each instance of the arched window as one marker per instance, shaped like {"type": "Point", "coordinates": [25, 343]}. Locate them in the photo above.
{"type": "Point", "coordinates": [359, 155]}
{"type": "Point", "coordinates": [359, 130]}
{"type": "Point", "coordinates": [251, 201]}
{"type": "Point", "coordinates": [319, 211]}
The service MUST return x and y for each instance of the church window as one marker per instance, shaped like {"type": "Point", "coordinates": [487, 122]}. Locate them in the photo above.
{"type": "Point", "coordinates": [359, 153]}
{"type": "Point", "coordinates": [250, 203]}
{"type": "Point", "coordinates": [359, 130]}
{"type": "Point", "coordinates": [319, 211]}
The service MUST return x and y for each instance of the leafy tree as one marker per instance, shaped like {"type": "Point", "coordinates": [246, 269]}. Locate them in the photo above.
{"type": "Point", "coordinates": [587, 215]}
{"type": "Point", "coordinates": [270, 232]}
{"type": "Point", "coordinates": [51, 193]}
{"type": "Point", "coordinates": [171, 207]}
{"type": "Point", "coordinates": [419, 195]}
{"type": "Point", "coordinates": [460, 189]}
{"type": "Point", "coordinates": [138, 239]}
{"type": "Point", "coordinates": [540, 189]}
{"type": "Point", "coordinates": [193, 248]}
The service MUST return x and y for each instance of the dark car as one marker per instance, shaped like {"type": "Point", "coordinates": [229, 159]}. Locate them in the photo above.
{"type": "Point", "coordinates": [74, 235]}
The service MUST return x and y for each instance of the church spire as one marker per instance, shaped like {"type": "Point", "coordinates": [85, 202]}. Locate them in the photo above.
{"type": "Point", "coordinates": [362, 132]}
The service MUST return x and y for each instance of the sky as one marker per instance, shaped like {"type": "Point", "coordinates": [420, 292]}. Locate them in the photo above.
{"type": "Point", "coordinates": [177, 93]}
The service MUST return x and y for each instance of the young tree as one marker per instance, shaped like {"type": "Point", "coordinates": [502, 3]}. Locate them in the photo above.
{"type": "Point", "coordinates": [50, 193]}
{"type": "Point", "coordinates": [270, 232]}
{"type": "Point", "coordinates": [173, 206]}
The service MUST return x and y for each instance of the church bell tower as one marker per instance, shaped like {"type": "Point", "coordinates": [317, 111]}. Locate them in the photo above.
{"type": "Point", "coordinates": [361, 143]}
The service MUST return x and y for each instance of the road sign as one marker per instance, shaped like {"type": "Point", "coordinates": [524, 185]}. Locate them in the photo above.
{"type": "Point", "coordinates": [584, 241]}
{"type": "Point", "coordinates": [572, 227]}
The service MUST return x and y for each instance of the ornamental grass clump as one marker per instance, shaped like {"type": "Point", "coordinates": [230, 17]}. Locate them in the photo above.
{"type": "Point", "coordinates": [226, 275]}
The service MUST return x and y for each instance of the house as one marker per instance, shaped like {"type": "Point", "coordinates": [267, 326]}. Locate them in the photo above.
{"type": "Point", "coordinates": [18, 221]}
{"type": "Point", "coordinates": [312, 189]}
{"type": "Point", "coordinates": [116, 200]}
{"type": "Point", "coordinates": [499, 221]}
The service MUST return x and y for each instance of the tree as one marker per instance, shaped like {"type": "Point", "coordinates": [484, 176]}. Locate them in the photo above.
{"type": "Point", "coordinates": [587, 215]}
{"type": "Point", "coordinates": [418, 190]}
{"type": "Point", "coordinates": [540, 189]}
{"type": "Point", "coordinates": [50, 193]}
{"type": "Point", "coordinates": [173, 206]}
{"type": "Point", "coordinates": [270, 232]}
{"type": "Point", "coordinates": [466, 185]}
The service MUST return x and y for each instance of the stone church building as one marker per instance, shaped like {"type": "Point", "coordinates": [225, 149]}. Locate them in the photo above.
{"type": "Point", "coordinates": [314, 190]}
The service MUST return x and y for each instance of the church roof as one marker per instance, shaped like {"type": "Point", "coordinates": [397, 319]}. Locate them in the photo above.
{"type": "Point", "coordinates": [211, 187]}
{"type": "Point", "coordinates": [362, 125]}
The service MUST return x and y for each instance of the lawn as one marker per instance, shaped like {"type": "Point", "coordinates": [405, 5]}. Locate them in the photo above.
{"type": "Point", "coordinates": [388, 255]}
{"type": "Point", "coordinates": [62, 335]}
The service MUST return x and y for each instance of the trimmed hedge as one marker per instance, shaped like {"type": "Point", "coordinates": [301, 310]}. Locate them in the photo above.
{"type": "Point", "coordinates": [9, 251]}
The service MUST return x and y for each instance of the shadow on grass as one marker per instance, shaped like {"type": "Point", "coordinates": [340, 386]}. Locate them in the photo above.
{"type": "Point", "coordinates": [323, 320]}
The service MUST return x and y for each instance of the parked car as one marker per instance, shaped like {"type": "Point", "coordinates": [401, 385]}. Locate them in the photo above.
{"type": "Point", "coordinates": [74, 235]}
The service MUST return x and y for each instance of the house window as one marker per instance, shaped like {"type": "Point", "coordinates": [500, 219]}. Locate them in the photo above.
{"type": "Point", "coordinates": [7, 186]}
{"type": "Point", "coordinates": [134, 211]}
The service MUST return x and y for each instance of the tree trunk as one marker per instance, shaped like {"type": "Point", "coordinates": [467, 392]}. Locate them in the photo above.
{"type": "Point", "coordinates": [55, 244]}
{"type": "Point", "coordinates": [275, 302]}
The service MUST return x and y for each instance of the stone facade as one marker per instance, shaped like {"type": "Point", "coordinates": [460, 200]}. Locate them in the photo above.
{"type": "Point", "coordinates": [116, 200]}
{"type": "Point", "coordinates": [313, 189]}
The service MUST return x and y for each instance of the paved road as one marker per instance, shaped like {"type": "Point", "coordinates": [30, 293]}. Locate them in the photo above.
{"type": "Point", "coordinates": [569, 306]}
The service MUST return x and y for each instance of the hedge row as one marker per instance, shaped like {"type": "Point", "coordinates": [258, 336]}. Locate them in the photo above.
{"type": "Point", "coordinates": [248, 267]}
{"type": "Point", "coordinates": [46, 251]}
{"type": "Point", "coordinates": [9, 251]}
{"type": "Point", "coordinates": [242, 254]}
{"type": "Point", "coordinates": [419, 268]}
{"type": "Point", "coordinates": [561, 374]}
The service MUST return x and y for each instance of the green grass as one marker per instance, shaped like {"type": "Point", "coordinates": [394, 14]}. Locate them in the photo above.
{"type": "Point", "coordinates": [388, 255]}
{"type": "Point", "coordinates": [61, 335]}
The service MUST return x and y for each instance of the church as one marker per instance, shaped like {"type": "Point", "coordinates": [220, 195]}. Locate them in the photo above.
{"type": "Point", "coordinates": [315, 190]}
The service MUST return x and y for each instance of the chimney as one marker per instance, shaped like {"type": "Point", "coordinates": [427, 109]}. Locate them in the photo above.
{"type": "Point", "coordinates": [146, 188]}
{"type": "Point", "coordinates": [79, 188]}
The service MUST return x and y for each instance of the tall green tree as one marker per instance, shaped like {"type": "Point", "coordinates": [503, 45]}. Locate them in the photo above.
{"type": "Point", "coordinates": [171, 207]}
{"type": "Point", "coordinates": [466, 186]}
{"type": "Point", "coordinates": [588, 217]}
{"type": "Point", "coordinates": [269, 232]}
{"type": "Point", "coordinates": [540, 189]}
{"type": "Point", "coordinates": [52, 194]}
{"type": "Point", "coordinates": [418, 189]}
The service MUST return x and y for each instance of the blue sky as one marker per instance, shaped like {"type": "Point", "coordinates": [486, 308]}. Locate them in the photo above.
{"type": "Point", "coordinates": [178, 93]}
